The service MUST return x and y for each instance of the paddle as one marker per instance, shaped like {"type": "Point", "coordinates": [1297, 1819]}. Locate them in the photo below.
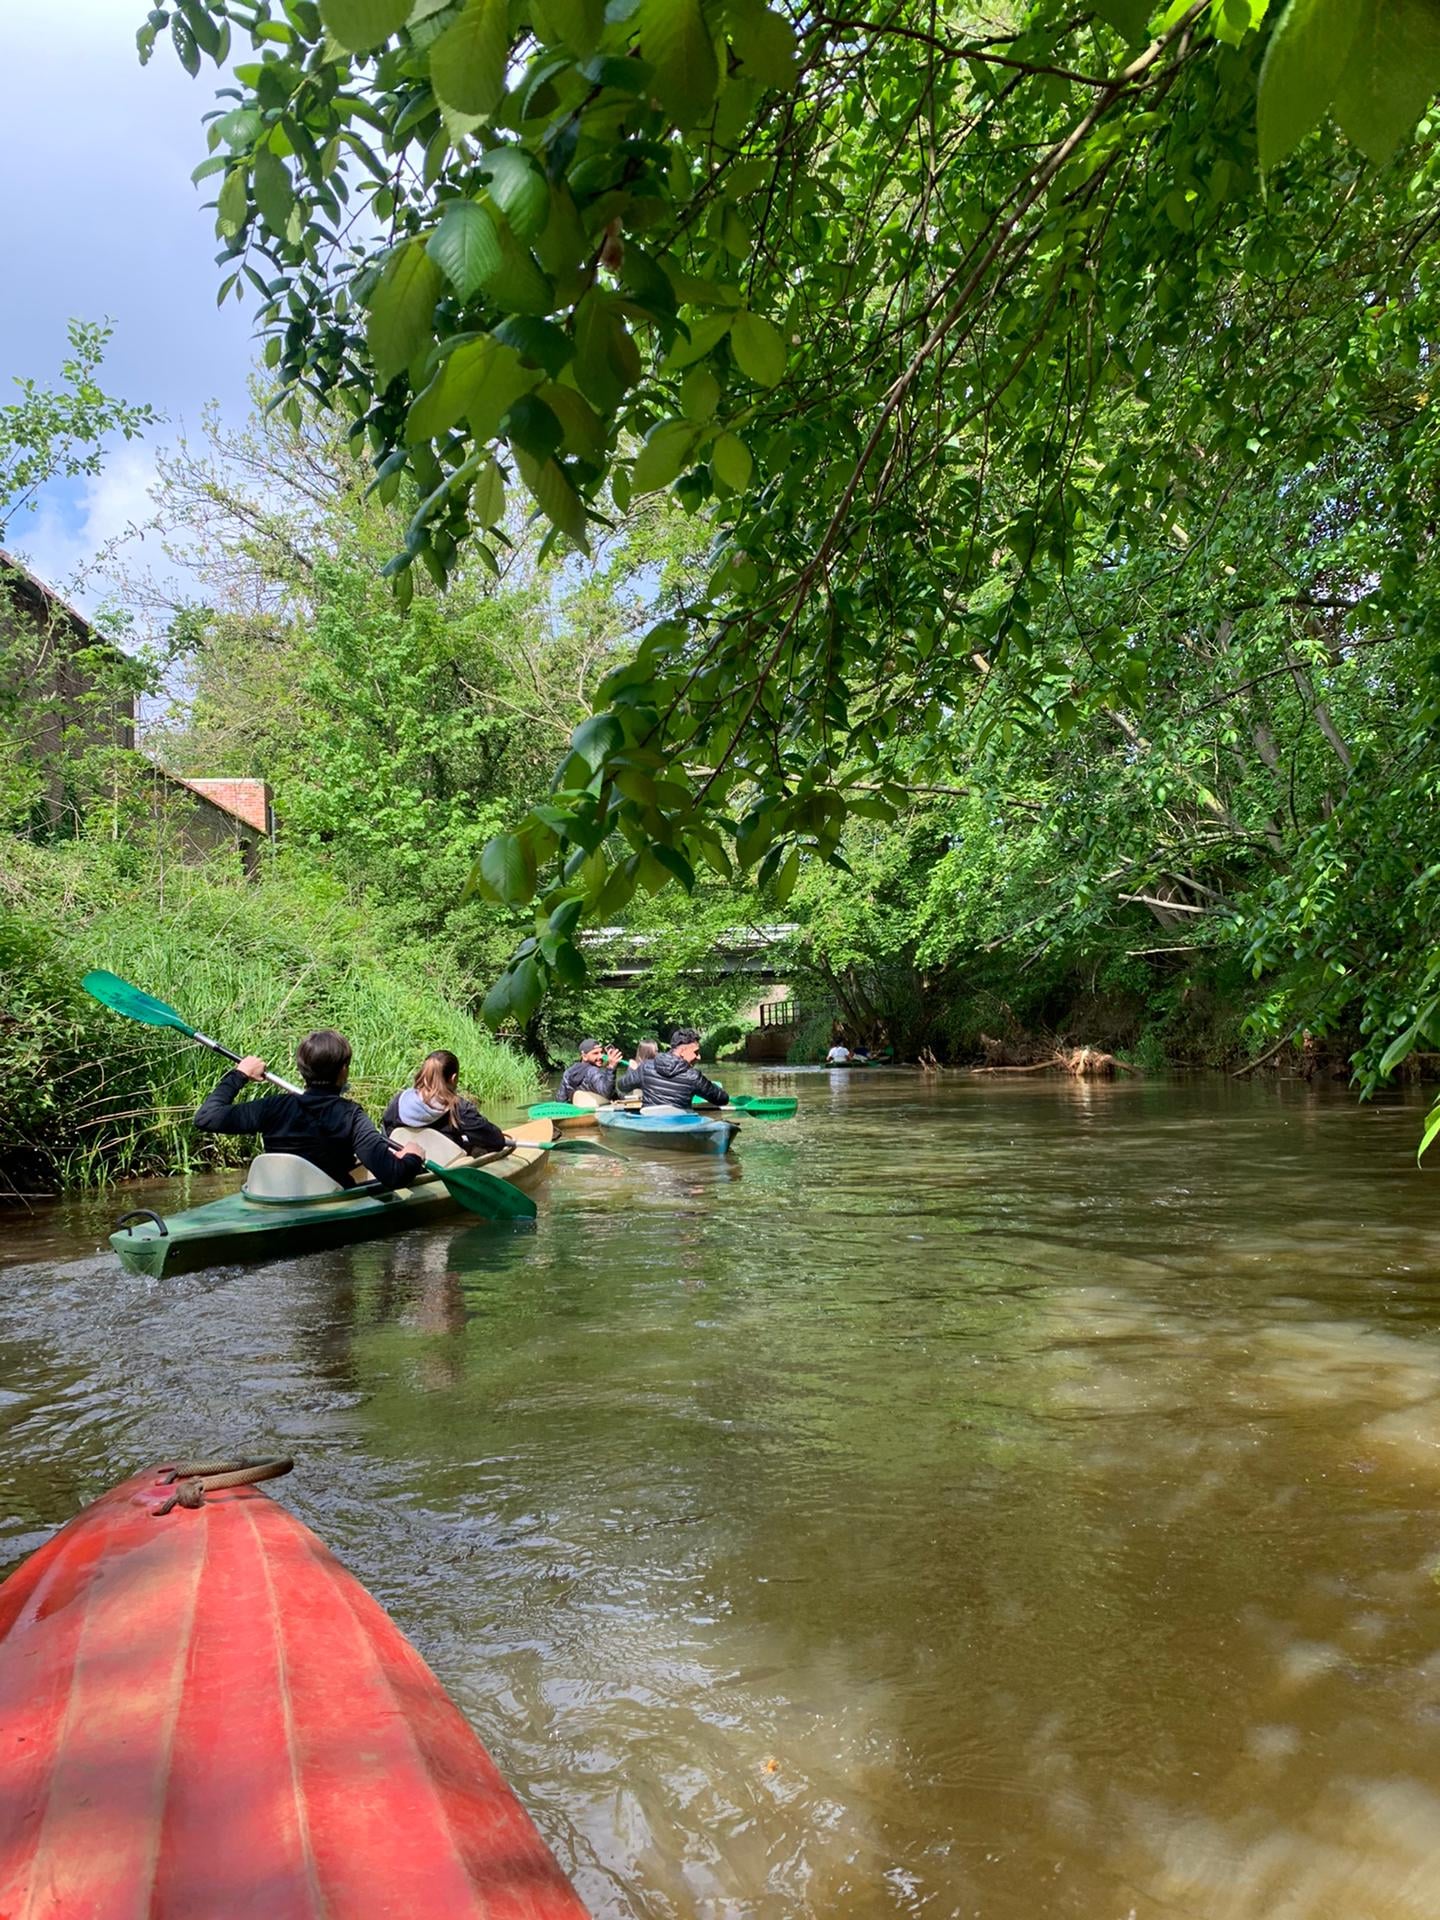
{"type": "Point", "coordinates": [574, 1146]}
{"type": "Point", "coordinates": [558, 1110]}
{"type": "Point", "coordinates": [756, 1106]}
{"type": "Point", "coordinates": [117, 994]}
{"type": "Point", "coordinates": [478, 1192]}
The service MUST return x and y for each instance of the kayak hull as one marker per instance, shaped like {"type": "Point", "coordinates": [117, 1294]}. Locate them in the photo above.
{"type": "Point", "coordinates": [672, 1132]}
{"type": "Point", "coordinates": [205, 1713]}
{"type": "Point", "coordinates": [235, 1228]}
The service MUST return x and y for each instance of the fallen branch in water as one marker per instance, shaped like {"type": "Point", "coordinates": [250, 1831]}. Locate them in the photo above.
{"type": "Point", "coordinates": [1085, 1063]}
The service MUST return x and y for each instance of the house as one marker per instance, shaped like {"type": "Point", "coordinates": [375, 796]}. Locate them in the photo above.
{"type": "Point", "coordinates": [69, 696]}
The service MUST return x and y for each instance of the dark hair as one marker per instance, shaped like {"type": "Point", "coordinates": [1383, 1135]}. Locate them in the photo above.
{"type": "Point", "coordinates": [436, 1081]}
{"type": "Point", "coordinates": [647, 1049]}
{"type": "Point", "coordinates": [323, 1057]}
{"type": "Point", "coordinates": [684, 1037]}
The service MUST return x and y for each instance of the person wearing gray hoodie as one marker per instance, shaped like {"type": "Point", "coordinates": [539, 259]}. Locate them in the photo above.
{"type": "Point", "coordinates": [435, 1101]}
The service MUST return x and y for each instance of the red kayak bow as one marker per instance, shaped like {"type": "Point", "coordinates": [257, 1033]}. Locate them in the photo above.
{"type": "Point", "coordinates": [203, 1714]}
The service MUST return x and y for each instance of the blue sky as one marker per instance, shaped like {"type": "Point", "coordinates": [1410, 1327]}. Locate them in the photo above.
{"type": "Point", "coordinates": [101, 219]}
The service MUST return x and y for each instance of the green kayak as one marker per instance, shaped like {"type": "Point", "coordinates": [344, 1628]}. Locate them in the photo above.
{"type": "Point", "coordinates": [243, 1228]}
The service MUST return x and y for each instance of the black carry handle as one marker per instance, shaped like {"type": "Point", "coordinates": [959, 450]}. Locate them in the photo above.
{"type": "Point", "coordinates": [141, 1213]}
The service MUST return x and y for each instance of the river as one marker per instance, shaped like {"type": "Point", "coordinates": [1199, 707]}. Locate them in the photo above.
{"type": "Point", "coordinates": [974, 1497]}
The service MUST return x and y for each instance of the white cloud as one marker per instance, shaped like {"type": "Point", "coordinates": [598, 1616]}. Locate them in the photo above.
{"type": "Point", "coordinates": [63, 539]}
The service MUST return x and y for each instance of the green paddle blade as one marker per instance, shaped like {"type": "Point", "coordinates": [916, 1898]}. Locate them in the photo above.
{"type": "Point", "coordinates": [556, 1110]}
{"type": "Point", "coordinates": [482, 1193]}
{"type": "Point", "coordinates": [777, 1107]}
{"type": "Point", "coordinates": [117, 994]}
{"type": "Point", "coordinates": [581, 1146]}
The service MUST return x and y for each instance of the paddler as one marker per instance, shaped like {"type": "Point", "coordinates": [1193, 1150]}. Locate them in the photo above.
{"type": "Point", "coordinates": [320, 1124]}
{"type": "Point", "coordinates": [434, 1100]}
{"type": "Point", "coordinates": [673, 1079]}
{"type": "Point", "coordinates": [593, 1072]}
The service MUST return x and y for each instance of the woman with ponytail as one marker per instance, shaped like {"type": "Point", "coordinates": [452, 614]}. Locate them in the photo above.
{"type": "Point", "coordinates": [435, 1101]}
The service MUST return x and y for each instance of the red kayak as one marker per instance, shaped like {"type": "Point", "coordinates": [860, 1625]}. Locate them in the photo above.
{"type": "Point", "coordinates": [203, 1716]}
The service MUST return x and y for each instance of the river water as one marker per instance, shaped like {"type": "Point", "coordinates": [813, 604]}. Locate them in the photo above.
{"type": "Point", "coordinates": [975, 1497]}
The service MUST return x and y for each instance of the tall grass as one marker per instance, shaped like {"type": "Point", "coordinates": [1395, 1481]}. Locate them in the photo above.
{"type": "Point", "coordinates": [86, 1096]}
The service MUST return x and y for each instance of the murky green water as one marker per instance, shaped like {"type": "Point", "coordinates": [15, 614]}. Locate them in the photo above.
{"type": "Point", "coordinates": [993, 1499]}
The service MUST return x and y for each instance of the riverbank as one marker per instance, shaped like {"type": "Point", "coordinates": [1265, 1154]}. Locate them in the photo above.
{"type": "Point", "coordinates": [87, 1098]}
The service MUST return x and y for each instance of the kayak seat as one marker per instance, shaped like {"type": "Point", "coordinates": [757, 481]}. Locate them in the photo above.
{"type": "Point", "coordinates": [589, 1101]}
{"type": "Point", "coordinates": [435, 1146]}
{"type": "Point", "coordinates": [287, 1176]}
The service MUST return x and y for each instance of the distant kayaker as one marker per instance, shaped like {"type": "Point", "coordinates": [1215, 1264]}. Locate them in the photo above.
{"type": "Point", "coordinates": [320, 1124]}
{"type": "Point", "coordinates": [434, 1100]}
{"type": "Point", "coordinates": [672, 1079]}
{"type": "Point", "coordinates": [838, 1056]}
{"type": "Point", "coordinates": [593, 1072]}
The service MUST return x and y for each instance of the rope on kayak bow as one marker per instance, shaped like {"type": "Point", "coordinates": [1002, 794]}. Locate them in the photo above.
{"type": "Point", "coordinates": [190, 1483]}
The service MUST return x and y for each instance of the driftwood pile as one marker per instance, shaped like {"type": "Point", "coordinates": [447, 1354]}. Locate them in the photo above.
{"type": "Point", "coordinates": [1084, 1063]}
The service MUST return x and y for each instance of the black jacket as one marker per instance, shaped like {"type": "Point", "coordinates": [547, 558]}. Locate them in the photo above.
{"type": "Point", "coordinates": [322, 1126]}
{"type": "Point", "coordinates": [580, 1077]}
{"type": "Point", "coordinates": [666, 1081]}
{"type": "Point", "coordinates": [471, 1130]}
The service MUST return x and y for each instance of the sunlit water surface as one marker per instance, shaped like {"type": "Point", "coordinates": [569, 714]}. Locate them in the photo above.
{"type": "Point", "coordinates": [974, 1498]}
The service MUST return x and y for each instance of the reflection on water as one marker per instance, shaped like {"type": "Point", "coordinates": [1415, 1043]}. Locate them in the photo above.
{"type": "Point", "coordinates": [1014, 1500]}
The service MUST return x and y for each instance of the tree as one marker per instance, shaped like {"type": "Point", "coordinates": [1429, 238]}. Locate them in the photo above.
{"type": "Point", "coordinates": [58, 433]}
{"type": "Point", "coordinates": [885, 300]}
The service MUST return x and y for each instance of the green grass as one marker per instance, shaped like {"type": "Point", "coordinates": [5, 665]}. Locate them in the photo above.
{"type": "Point", "coordinates": [87, 1097]}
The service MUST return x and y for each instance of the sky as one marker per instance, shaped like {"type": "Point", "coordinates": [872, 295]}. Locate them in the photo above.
{"type": "Point", "coordinates": [102, 222]}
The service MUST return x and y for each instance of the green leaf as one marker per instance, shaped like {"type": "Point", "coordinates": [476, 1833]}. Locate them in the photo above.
{"type": "Point", "coordinates": [1302, 67]}
{"type": "Point", "coordinates": [584, 430]}
{"type": "Point", "coordinates": [487, 496]}
{"type": "Point", "coordinates": [507, 869]}
{"type": "Point", "coordinates": [1130, 17]}
{"type": "Point", "coordinates": [360, 25]}
{"type": "Point", "coordinates": [233, 204]}
{"type": "Point", "coordinates": [666, 450]}
{"type": "Point", "coordinates": [576, 24]}
{"type": "Point", "coordinates": [467, 62]}
{"type": "Point", "coordinates": [495, 1008]}
{"type": "Point", "coordinates": [677, 43]}
{"type": "Point", "coordinates": [759, 348]}
{"type": "Point", "coordinates": [699, 394]}
{"type": "Point", "coordinates": [763, 43]}
{"type": "Point", "coordinates": [466, 246]}
{"type": "Point", "coordinates": [530, 424]}
{"type": "Point", "coordinates": [539, 342]}
{"type": "Point", "coordinates": [607, 361]}
{"type": "Point", "coordinates": [705, 335]}
{"type": "Point", "coordinates": [1391, 73]}
{"type": "Point", "coordinates": [730, 457]}
{"type": "Point", "coordinates": [597, 738]}
{"type": "Point", "coordinates": [274, 195]}
{"type": "Point", "coordinates": [1432, 1127]}
{"type": "Point", "coordinates": [401, 309]}
{"type": "Point", "coordinates": [519, 189]}
{"type": "Point", "coordinates": [556, 498]}
{"type": "Point", "coordinates": [518, 284]}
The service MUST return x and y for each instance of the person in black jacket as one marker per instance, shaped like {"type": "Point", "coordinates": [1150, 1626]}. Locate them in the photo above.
{"type": "Point", "coordinates": [672, 1079]}
{"type": "Point", "coordinates": [320, 1124]}
{"type": "Point", "coordinates": [435, 1100]}
{"type": "Point", "coordinates": [593, 1072]}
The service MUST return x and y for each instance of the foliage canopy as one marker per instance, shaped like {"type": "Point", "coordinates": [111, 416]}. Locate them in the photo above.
{"type": "Point", "coordinates": [988, 357]}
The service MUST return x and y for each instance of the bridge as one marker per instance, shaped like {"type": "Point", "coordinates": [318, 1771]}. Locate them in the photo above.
{"type": "Point", "coordinates": [618, 957]}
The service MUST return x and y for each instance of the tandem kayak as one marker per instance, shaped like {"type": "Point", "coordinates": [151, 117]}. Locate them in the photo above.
{"type": "Point", "coordinates": [668, 1127]}
{"type": "Point", "coordinates": [203, 1713]}
{"type": "Point", "coordinates": [257, 1224]}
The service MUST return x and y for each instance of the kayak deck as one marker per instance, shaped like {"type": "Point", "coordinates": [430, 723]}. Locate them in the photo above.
{"type": "Point", "coordinates": [205, 1713]}
{"type": "Point", "coordinates": [239, 1228]}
